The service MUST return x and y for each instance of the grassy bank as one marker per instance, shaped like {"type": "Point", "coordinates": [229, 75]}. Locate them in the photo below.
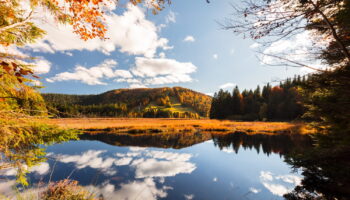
{"type": "Point", "coordinates": [152, 125]}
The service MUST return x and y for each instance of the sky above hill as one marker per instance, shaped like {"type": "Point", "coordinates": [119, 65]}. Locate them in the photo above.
{"type": "Point", "coordinates": [183, 45]}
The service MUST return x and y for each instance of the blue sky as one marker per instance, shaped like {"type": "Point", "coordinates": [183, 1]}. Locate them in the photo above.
{"type": "Point", "coordinates": [156, 55]}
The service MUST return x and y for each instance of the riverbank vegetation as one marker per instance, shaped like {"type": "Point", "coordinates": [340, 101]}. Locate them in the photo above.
{"type": "Point", "coordinates": [141, 125]}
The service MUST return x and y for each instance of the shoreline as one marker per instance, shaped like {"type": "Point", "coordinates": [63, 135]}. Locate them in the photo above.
{"type": "Point", "coordinates": [168, 125]}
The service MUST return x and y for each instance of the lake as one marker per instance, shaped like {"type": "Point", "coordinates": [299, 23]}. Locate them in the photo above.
{"type": "Point", "coordinates": [171, 166]}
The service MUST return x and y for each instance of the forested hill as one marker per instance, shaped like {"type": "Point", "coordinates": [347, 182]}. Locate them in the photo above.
{"type": "Point", "coordinates": [165, 102]}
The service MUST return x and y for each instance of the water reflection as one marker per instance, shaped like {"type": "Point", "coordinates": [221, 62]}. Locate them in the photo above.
{"type": "Point", "coordinates": [278, 144]}
{"type": "Point", "coordinates": [160, 140]}
{"type": "Point", "coordinates": [150, 170]}
{"type": "Point", "coordinates": [279, 184]}
{"type": "Point", "coordinates": [171, 166]}
{"type": "Point", "coordinates": [326, 168]}
{"type": "Point", "coordinates": [281, 144]}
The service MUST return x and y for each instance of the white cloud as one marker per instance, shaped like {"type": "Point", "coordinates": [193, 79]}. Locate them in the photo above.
{"type": "Point", "coordinates": [299, 48]}
{"type": "Point", "coordinates": [140, 189]}
{"type": "Point", "coordinates": [276, 189]}
{"type": "Point", "coordinates": [159, 71]}
{"type": "Point", "coordinates": [296, 180]}
{"type": "Point", "coordinates": [162, 168]}
{"type": "Point", "coordinates": [161, 55]}
{"type": "Point", "coordinates": [122, 73]}
{"type": "Point", "coordinates": [227, 85]}
{"type": "Point", "coordinates": [123, 161]}
{"type": "Point", "coordinates": [215, 179]}
{"type": "Point", "coordinates": [159, 163]}
{"type": "Point", "coordinates": [227, 150]}
{"type": "Point", "coordinates": [137, 149]}
{"type": "Point", "coordinates": [128, 80]}
{"type": "Point", "coordinates": [189, 38]}
{"type": "Point", "coordinates": [279, 185]}
{"type": "Point", "coordinates": [189, 196]}
{"type": "Point", "coordinates": [69, 53]}
{"type": "Point", "coordinates": [137, 85]}
{"type": "Point", "coordinates": [215, 56]}
{"type": "Point", "coordinates": [160, 27]}
{"type": "Point", "coordinates": [266, 175]}
{"type": "Point", "coordinates": [180, 157]}
{"type": "Point", "coordinates": [35, 82]}
{"type": "Point", "coordinates": [301, 42]}
{"type": "Point", "coordinates": [8, 172]}
{"type": "Point", "coordinates": [91, 158]}
{"type": "Point", "coordinates": [131, 32]}
{"type": "Point", "coordinates": [152, 67]}
{"type": "Point", "coordinates": [41, 169]}
{"type": "Point", "coordinates": [210, 94]}
{"type": "Point", "coordinates": [42, 66]}
{"type": "Point", "coordinates": [254, 45]}
{"type": "Point", "coordinates": [170, 18]}
{"type": "Point", "coordinates": [93, 75]}
{"type": "Point", "coordinates": [169, 79]}
{"type": "Point", "coordinates": [254, 190]}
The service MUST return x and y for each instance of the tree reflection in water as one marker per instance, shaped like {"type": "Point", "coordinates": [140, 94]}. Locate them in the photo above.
{"type": "Point", "coordinates": [325, 165]}
{"type": "Point", "coordinates": [326, 168]}
{"type": "Point", "coordinates": [23, 148]}
{"type": "Point", "coordinates": [279, 144]}
{"type": "Point", "coordinates": [158, 140]}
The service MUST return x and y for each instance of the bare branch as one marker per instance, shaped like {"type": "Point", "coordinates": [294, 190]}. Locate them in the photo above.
{"type": "Point", "coordinates": [294, 62]}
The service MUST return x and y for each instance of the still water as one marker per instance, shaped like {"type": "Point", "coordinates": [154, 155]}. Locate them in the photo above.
{"type": "Point", "coordinates": [171, 166]}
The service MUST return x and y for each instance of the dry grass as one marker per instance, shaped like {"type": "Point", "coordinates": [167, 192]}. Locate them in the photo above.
{"type": "Point", "coordinates": [151, 125]}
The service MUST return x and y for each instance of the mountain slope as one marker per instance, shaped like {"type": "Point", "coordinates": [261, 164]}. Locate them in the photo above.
{"type": "Point", "coordinates": [175, 102]}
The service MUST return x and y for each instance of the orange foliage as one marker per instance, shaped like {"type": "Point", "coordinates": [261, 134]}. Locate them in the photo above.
{"type": "Point", "coordinates": [277, 89]}
{"type": "Point", "coordinates": [87, 16]}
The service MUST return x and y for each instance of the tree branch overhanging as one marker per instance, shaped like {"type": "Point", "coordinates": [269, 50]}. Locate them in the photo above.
{"type": "Point", "coordinates": [294, 62]}
{"type": "Point", "coordinates": [2, 29]}
{"type": "Point", "coordinates": [334, 32]}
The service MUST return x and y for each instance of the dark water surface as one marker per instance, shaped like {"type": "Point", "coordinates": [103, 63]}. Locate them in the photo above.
{"type": "Point", "coordinates": [172, 166]}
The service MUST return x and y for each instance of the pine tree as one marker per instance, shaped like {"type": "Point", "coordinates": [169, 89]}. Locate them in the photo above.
{"type": "Point", "coordinates": [236, 103]}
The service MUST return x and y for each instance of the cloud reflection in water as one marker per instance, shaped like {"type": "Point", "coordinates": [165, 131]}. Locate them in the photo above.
{"type": "Point", "coordinates": [281, 184]}
{"type": "Point", "coordinates": [150, 167]}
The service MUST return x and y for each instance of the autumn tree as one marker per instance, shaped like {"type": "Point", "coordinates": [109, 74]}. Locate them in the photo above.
{"type": "Point", "coordinates": [326, 93]}
{"type": "Point", "coordinates": [22, 132]}
{"type": "Point", "coordinates": [328, 23]}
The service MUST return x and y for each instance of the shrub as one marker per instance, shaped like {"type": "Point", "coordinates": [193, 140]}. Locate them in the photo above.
{"type": "Point", "coordinates": [66, 189]}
